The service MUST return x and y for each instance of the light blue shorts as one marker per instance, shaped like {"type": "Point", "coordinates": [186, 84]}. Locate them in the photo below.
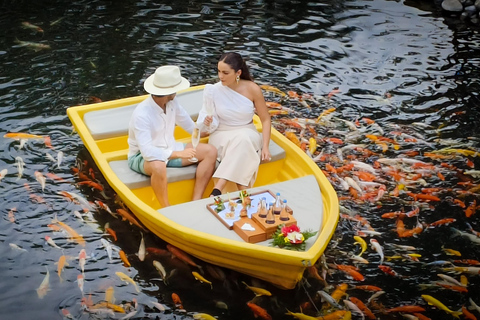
{"type": "Point", "coordinates": [136, 163]}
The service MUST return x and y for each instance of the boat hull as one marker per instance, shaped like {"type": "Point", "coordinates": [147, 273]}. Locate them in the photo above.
{"type": "Point", "coordinates": [283, 268]}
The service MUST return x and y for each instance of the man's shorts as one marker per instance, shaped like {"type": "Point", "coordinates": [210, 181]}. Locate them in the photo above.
{"type": "Point", "coordinates": [136, 163]}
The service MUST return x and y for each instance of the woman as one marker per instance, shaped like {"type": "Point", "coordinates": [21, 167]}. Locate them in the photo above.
{"type": "Point", "coordinates": [227, 112]}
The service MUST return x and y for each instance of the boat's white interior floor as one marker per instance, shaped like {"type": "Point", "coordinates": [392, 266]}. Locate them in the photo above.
{"type": "Point", "coordinates": [302, 194]}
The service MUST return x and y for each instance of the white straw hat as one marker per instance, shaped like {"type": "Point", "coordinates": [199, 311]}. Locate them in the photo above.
{"type": "Point", "coordinates": [166, 80]}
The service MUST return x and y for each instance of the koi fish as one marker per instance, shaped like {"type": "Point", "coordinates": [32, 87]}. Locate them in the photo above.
{"type": "Point", "coordinates": [11, 214]}
{"type": "Point", "coordinates": [82, 258]}
{"type": "Point", "coordinates": [44, 286]}
{"type": "Point", "coordinates": [141, 249]}
{"type": "Point", "coordinates": [20, 164]}
{"type": "Point", "coordinates": [388, 271]}
{"type": "Point", "coordinates": [109, 295]}
{"type": "Point", "coordinates": [51, 242]}
{"type": "Point", "coordinates": [18, 135]}
{"type": "Point", "coordinates": [406, 308]}
{"type": "Point", "coordinates": [127, 279]}
{"type": "Point", "coordinates": [80, 282]}
{"type": "Point", "coordinates": [258, 291]}
{"type": "Point", "coordinates": [354, 308]}
{"type": "Point", "coordinates": [351, 271]}
{"type": "Point", "coordinates": [363, 307]}
{"type": "Point", "coordinates": [161, 269]}
{"type": "Point", "coordinates": [28, 25]}
{"type": "Point", "coordinates": [325, 297]}
{"type": "Point", "coordinates": [110, 231]}
{"type": "Point", "coordinates": [3, 173]}
{"type": "Point", "coordinates": [127, 216]}
{"type": "Point", "coordinates": [470, 210]}
{"type": "Point", "coordinates": [73, 234]}
{"type": "Point", "coordinates": [273, 89]}
{"type": "Point", "coordinates": [258, 311]}
{"type": "Point", "coordinates": [59, 158]}
{"type": "Point", "coordinates": [16, 247]}
{"type": "Point", "coordinates": [124, 258]}
{"type": "Point", "coordinates": [337, 315]}
{"type": "Point", "coordinates": [105, 207]}
{"type": "Point", "coordinates": [339, 292]}
{"type": "Point", "coordinates": [377, 247]}
{"type": "Point", "coordinates": [41, 179]}
{"type": "Point", "coordinates": [198, 277]}
{"type": "Point", "coordinates": [35, 46]}
{"type": "Point", "coordinates": [62, 261]}
{"type": "Point", "coordinates": [300, 316]}
{"type": "Point", "coordinates": [362, 244]}
{"type": "Point", "coordinates": [434, 302]}
{"type": "Point", "coordinates": [108, 248]}
{"type": "Point", "coordinates": [176, 300]}
{"type": "Point", "coordinates": [180, 254]}
{"type": "Point", "coordinates": [203, 316]}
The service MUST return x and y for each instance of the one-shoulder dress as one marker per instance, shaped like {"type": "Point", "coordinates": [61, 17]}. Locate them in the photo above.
{"type": "Point", "coordinates": [233, 133]}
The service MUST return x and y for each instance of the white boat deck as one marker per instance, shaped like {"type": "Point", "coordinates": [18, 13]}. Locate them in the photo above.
{"type": "Point", "coordinates": [302, 194]}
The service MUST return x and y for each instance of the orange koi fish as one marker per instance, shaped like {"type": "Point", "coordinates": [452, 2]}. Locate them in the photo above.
{"type": "Point", "coordinates": [91, 184]}
{"type": "Point", "coordinates": [62, 262]}
{"type": "Point", "coordinates": [176, 300]}
{"type": "Point", "coordinates": [406, 308]}
{"type": "Point", "coordinates": [367, 288]}
{"type": "Point", "coordinates": [127, 216]}
{"type": "Point", "coordinates": [19, 135]}
{"type": "Point", "coordinates": [124, 259]}
{"type": "Point", "coordinates": [388, 270]}
{"type": "Point", "coordinates": [337, 315]}
{"type": "Point", "coordinates": [467, 314]}
{"type": "Point", "coordinates": [180, 254]}
{"type": "Point", "coordinates": [48, 142]}
{"type": "Point", "coordinates": [110, 231]}
{"type": "Point", "coordinates": [333, 92]}
{"type": "Point", "coordinates": [351, 271]}
{"type": "Point", "coordinates": [73, 234]}
{"type": "Point", "coordinates": [259, 312]}
{"type": "Point", "coordinates": [470, 210]}
{"type": "Point", "coordinates": [292, 137]}
{"type": "Point", "coordinates": [363, 308]}
{"type": "Point", "coordinates": [419, 196]}
{"type": "Point", "coordinates": [452, 287]}
{"type": "Point", "coordinates": [445, 221]}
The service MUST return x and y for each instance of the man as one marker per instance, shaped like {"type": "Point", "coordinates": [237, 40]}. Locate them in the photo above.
{"type": "Point", "coordinates": [152, 146]}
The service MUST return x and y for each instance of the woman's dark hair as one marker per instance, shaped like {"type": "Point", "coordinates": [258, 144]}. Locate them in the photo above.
{"type": "Point", "coordinates": [236, 61]}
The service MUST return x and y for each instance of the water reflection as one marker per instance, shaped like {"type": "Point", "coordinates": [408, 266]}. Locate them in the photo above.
{"type": "Point", "coordinates": [365, 49]}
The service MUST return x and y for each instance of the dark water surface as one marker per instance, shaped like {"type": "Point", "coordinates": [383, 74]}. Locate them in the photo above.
{"type": "Point", "coordinates": [366, 49]}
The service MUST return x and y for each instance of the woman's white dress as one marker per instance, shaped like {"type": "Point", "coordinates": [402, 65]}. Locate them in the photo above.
{"type": "Point", "coordinates": [233, 133]}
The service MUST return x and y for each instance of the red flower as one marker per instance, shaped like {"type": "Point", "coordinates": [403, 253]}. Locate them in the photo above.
{"type": "Point", "coordinates": [289, 229]}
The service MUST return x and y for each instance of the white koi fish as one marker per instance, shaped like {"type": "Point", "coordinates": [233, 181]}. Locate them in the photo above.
{"type": "Point", "coordinates": [44, 286]}
{"type": "Point", "coordinates": [363, 166]}
{"type": "Point", "coordinates": [41, 179]}
{"type": "Point", "coordinates": [50, 157]}
{"type": "Point", "coordinates": [59, 158]}
{"type": "Point", "coordinates": [80, 282]}
{"type": "Point", "coordinates": [16, 247]}
{"type": "Point", "coordinates": [3, 173]}
{"type": "Point", "coordinates": [353, 307]}
{"type": "Point", "coordinates": [51, 242]}
{"type": "Point", "coordinates": [161, 269]}
{"type": "Point", "coordinates": [20, 164]}
{"type": "Point", "coordinates": [141, 250]}
{"type": "Point", "coordinates": [377, 247]}
{"type": "Point", "coordinates": [82, 259]}
{"type": "Point", "coordinates": [108, 247]}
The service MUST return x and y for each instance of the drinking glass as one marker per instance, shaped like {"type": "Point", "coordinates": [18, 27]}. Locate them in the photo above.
{"type": "Point", "coordinates": [195, 141]}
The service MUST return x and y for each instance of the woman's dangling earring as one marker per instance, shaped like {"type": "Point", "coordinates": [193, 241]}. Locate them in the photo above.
{"type": "Point", "coordinates": [237, 78]}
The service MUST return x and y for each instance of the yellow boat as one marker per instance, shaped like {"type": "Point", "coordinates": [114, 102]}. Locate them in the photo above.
{"type": "Point", "coordinates": [192, 225]}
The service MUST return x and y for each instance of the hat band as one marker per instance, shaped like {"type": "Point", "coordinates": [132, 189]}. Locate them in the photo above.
{"type": "Point", "coordinates": [174, 85]}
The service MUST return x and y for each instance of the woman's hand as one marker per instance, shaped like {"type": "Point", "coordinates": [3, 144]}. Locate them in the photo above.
{"type": "Point", "coordinates": [208, 121]}
{"type": "Point", "coordinates": [266, 154]}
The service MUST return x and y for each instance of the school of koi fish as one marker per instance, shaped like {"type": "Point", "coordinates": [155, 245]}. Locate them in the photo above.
{"type": "Point", "coordinates": [394, 183]}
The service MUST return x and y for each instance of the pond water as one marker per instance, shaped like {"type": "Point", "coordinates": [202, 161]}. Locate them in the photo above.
{"type": "Point", "coordinates": [402, 65]}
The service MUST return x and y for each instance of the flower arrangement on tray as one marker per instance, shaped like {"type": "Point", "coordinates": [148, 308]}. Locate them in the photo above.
{"type": "Point", "coordinates": [291, 238]}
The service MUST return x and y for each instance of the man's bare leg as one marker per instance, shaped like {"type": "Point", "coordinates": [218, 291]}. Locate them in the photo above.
{"type": "Point", "coordinates": [157, 170]}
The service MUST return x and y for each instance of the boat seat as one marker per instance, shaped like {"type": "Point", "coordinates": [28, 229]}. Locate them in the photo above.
{"type": "Point", "coordinates": [109, 123]}
{"type": "Point", "coordinates": [134, 180]}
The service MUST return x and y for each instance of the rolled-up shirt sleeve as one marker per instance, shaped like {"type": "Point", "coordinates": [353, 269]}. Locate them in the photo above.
{"type": "Point", "coordinates": [143, 137]}
{"type": "Point", "coordinates": [183, 119]}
